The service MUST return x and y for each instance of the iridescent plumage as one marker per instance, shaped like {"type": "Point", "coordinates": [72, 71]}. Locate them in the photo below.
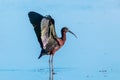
{"type": "Point", "coordinates": [45, 31]}
{"type": "Point", "coordinates": [44, 27]}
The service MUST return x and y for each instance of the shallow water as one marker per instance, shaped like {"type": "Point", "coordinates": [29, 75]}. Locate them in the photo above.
{"type": "Point", "coordinates": [61, 74]}
{"type": "Point", "coordinates": [96, 51]}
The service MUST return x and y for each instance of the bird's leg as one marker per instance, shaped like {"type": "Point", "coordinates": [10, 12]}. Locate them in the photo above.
{"type": "Point", "coordinates": [50, 67]}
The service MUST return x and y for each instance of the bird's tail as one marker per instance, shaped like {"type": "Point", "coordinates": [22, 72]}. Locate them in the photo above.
{"type": "Point", "coordinates": [43, 52]}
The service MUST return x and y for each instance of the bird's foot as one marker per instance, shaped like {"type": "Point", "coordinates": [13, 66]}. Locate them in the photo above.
{"type": "Point", "coordinates": [53, 73]}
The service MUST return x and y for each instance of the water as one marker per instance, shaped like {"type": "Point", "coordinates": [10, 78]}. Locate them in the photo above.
{"type": "Point", "coordinates": [95, 53]}
{"type": "Point", "coordinates": [61, 74]}
{"type": "Point", "coordinates": [27, 74]}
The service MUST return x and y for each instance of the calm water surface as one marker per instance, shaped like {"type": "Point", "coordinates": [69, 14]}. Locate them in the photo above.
{"type": "Point", "coordinates": [61, 74]}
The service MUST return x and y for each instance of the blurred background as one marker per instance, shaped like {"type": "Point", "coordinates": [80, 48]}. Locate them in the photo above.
{"type": "Point", "coordinates": [93, 56]}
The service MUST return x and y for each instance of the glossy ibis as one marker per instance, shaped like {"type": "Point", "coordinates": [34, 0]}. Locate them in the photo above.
{"type": "Point", "coordinates": [44, 27]}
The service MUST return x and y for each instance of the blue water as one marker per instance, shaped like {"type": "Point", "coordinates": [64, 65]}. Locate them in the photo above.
{"type": "Point", "coordinates": [95, 55]}
{"type": "Point", "coordinates": [61, 74]}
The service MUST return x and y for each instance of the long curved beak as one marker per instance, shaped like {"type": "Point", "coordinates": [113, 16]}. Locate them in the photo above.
{"type": "Point", "coordinates": [72, 33]}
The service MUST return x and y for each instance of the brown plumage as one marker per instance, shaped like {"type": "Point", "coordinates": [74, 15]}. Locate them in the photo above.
{"type": "Point", "coordinates": [44, 27]}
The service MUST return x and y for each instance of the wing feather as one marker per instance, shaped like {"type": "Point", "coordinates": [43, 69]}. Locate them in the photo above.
{"type": "Point", "coordinates": [48, 34]}
{"type": "Point", "coordinates": [44, 28]}
{"type": "Point", "coordinates": [35, 19]}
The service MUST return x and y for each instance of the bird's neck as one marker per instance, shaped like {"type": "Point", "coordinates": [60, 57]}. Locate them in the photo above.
{"type": "Point", "coordinates": [63, 36]}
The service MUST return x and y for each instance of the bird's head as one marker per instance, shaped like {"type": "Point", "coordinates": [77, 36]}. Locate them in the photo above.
{"type": "Point", "coordinates": [65, 29]}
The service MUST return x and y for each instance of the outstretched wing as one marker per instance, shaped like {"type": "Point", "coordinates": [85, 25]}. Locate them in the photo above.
{"type": "Point", "coordinates": [44, 29]}
{"type": "Point", "coordinates": [35, 19]}
{"type": "Point", "coordinates": [48, 33]}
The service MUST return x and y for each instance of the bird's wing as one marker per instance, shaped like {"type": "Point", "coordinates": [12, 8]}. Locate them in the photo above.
{"type": "Point", "coordinates": [44, 29]}
{"type": "Point", "coordinates": [35, 19]}
{"type": "Point", "coordinates": [48, 33]}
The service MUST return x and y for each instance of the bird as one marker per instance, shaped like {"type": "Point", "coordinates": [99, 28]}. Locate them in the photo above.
{"type": "Point", "coordinates": [44, 27]}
